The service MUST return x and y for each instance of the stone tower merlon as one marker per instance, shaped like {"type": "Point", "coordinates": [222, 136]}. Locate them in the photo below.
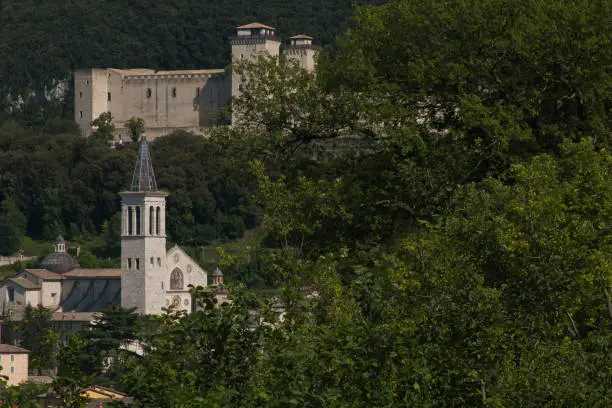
{"type": "Point", "coordinates": [301, 50]}
{"type": "Point", "coordinates": [143, 238]}
{"type": "Point", "coordinates": [250, 41]}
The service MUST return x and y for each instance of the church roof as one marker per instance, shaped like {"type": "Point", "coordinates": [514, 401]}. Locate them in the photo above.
{"type": "Point", "coordinates": [59, 262]}
{"type": "Point", "coordinates": [93, 273]}
{"type": "Point", "coordinates": [73, 316]}
{"type": "Point", "coordinates": [44, 274]}
{"type": "Point", "coordinates": [217, 272]}
{"type": "Point", "coordinates": [143, 178]}
{"type": "Point", "coordinates": [24, 283]}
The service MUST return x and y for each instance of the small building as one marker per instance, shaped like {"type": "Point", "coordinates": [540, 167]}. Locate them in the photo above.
{"type": "Point", "coordinates": [98, 397]}
{"type": "Point", "coordinates": [14, 361]}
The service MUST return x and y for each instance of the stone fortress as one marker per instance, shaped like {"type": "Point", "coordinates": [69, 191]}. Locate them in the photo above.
{"type": "Point", "coordinates": [178, 100]}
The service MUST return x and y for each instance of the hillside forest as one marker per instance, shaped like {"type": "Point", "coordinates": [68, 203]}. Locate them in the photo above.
{"type": "Point", "coordinates": [436, 214]}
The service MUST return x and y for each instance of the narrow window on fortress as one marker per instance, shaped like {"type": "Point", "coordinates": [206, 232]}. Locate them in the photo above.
{"type": "Point", "coordinates": [80, 94]}
{"type": "Point", "coordinates": [137, 263]}
{"type": "Point", "coordinates": [157, 215]}
{"type": "Point", "coordinates": [137, 220]}
{"type": "Point", "coordinates": [174, 92]}
{"type": "Point", "coordinates": [109, 96]}
{"type": "Point", "coordinates": [241, 56]}
{"type": "Point", "coordinates": [152, 261]}
{"type": "Point", "coordinates": [130, 222]}
{"type": "Point", "coordinates": [148, 92]}
{"type": "Point", "coordinates": [81, 114]}
{"type": "Point", "coordinates": [151, 220]}
{"type": "Point", "coordinates": [129, 263]}
{"type": "Point", "coordinates": [158, 261]}
{"type": "Point", "coordinates": [162, 285]}
{"type": "Point", "coordinates": [87, 82]}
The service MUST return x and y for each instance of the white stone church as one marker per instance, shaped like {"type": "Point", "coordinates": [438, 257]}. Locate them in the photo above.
{"type": "Point", "coordinates": [151, 277]}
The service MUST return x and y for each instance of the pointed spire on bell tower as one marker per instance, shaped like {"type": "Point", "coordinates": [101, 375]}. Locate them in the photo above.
{"type": "Point", "coordinates": [143, 178]}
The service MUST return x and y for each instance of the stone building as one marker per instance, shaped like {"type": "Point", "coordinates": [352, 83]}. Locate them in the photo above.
{"type": "Point", "coordinates": [151, 277]}
{"type": "Point", "coordinates": [177, 100]}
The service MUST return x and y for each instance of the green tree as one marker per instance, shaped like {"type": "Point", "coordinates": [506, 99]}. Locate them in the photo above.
{"type": "Point", "coordinates": [103, 127]}
{"type": "Point", "coordinates": [136, 127]}
{"type": "Point", "coordinates": [38, 335]}
{"type": "Point", "coordinates": [13, 227]}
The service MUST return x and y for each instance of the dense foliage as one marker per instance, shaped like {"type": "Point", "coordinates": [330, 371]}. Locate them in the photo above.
{"type": "Point", "coordinates": [440, 198]}
{"type": "Point", "coordinates": [64, 184]}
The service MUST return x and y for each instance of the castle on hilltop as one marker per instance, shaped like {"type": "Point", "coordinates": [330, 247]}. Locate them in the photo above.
{"type": "Point", "coordinates": [178, 100]}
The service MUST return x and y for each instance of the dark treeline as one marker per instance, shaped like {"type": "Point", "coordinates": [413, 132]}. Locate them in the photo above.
{"type": "Point", "coordinates": [64, 184]}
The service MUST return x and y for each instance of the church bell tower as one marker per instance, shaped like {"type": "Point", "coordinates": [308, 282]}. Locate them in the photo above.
{"type": "Point", "coordinates": [143, 238]}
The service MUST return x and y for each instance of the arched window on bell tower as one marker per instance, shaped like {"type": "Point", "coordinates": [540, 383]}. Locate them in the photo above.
{"type": "Point", "coordinates": [130, 222]}
{"type": "Point", "coordinates": [151, 219]}
{"type": "Point", "coordinates": [138, 220]}
{"type": "Point", "coordinates": [157, 220]}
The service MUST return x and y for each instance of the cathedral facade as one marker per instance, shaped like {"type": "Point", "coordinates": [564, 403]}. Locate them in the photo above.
{"type": "Point", "coordinates": [151, 277]}
{"type": "Point", "coordinates": [178, 100]}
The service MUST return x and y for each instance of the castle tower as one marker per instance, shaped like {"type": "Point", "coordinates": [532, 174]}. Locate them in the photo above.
{"type": "Point", "coordinates": [250, 41]}
{"type": "Point", "coordinates": [301, 50]}
{"type": "Point", "coordinates": [143, 239]}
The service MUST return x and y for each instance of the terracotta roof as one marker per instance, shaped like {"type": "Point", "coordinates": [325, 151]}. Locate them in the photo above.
{"type": "Point", "coordinates": [73, 316]}
{"type": "Point", "coordinates": [8, 348]}
{"type": "Point", "coordinates": [255, 25]}
{"type": "Point", "coordinates": [300, 37]}
{"type": "Point", "coordinates": [93, 273]}
{"type": "Point", "coordinates": [24, 283]}
{"type": "Point", "coordinates": [44, 274]}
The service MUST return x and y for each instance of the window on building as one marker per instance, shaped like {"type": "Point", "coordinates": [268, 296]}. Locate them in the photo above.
{"type": "Point", "coordinates": [12, 358]}
{"type": "Point", "coordinates": [176, 280]}
{"type": "Point", "coordinates": [129, 263]}
{"type": "Point", "coordinates": [81, 114]}
{"type": "Point", "coordinates": [157, 217]}
{"type": "Point", "coordinates": [12, 370]}
{"type": "Point", "coordinates": [158, 261]}
{"type": "Point", "coordinates": [162, 285]}
{"type": "Point", "coordinates": [151, 220]}
{"type": "Point", "coordinates": [174, 92]}
{"type": "Point", "coordinates": [148, 92]}
{"type": "Point", "coordinates": [137, 264]}
{"type": "Point", "coordinates": [137, 220]}
{"type": "Point", "coordinates": [11, 294]}
{"type": "Point", "coordinates": [197, 92]}
{"type": "Point", "coordinates": [130, 222]}
{"type": "Point", "coordinates": [80, 94]}
{"type": "Point", "coordinates": [109, 96]}
{"type": "Point", "coordinates": [87, 82]}
{"type": "Point", "coordinates": [152, 261]}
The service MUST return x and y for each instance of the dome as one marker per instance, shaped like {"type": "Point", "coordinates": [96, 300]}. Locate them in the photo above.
{"type": "Point", "coordinates": [59, 262]}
